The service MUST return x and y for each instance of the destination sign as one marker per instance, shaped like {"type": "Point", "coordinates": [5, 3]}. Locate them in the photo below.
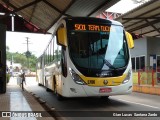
{"type": "Point", "coordinates": [92, 27]}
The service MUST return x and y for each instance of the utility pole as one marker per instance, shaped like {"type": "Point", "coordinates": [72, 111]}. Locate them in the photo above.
{"type": "Point", "coordinates": [27, 53]}
{"type": "Point", "coordinates": [27, 43]}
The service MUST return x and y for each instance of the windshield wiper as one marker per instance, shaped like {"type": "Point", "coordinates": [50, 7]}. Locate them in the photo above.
{"type": "Point", "coordinates": [109, 64]}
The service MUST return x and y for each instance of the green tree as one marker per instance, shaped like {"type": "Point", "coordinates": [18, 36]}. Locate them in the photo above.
{"type": "Point", "coordinates": [22, 59]}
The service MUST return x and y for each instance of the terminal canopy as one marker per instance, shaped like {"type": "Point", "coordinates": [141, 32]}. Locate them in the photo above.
{"type": "Point", "coordinates": [144, 20]}
{"type": "Point", "coordinates": [45, 13]}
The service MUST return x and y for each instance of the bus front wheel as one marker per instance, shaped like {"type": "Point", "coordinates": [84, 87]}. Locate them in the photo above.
{"type": "Point", "coordinates": [105, 97]}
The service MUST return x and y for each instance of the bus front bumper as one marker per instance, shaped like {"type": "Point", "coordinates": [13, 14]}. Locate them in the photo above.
{"type": "Point", "coordinates": [89, 91]}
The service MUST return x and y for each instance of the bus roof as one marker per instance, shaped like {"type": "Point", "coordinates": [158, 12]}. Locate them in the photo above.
{"type": "Point", "coordinates": [93, 19]}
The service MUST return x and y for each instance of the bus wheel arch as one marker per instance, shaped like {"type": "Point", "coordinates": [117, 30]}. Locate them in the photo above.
{"type": "Point", "coordinates": [104, 97]}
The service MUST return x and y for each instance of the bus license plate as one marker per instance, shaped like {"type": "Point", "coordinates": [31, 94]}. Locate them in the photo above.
{"type": "Point", "coordinates": [105, 90]}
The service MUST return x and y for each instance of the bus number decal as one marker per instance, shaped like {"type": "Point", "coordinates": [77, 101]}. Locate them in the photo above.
{"type": "Point", "coordinates": [80, 27]}
{"type": "Point", "coordinates": [91, 81]}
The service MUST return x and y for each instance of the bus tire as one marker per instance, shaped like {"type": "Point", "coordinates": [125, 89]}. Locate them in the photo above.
{"type": "Point", "coordinates": [105, 97]}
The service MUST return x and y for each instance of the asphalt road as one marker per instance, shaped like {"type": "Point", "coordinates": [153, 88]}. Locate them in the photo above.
{"type": "Point", "coordinates": [98, 109]}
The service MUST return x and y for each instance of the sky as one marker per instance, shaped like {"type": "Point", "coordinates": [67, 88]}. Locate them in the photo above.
{"type": "Point", "coordinates": [15, 40]}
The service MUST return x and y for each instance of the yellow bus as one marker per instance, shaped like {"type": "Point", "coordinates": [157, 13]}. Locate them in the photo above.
{"type": "Point", "coordinates": [87, 57]}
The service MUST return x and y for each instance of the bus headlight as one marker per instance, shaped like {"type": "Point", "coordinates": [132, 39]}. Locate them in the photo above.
{"type": "Point", "coordinates": [76, 78]}
{"type": "Point", "coordinates": [127, 77]}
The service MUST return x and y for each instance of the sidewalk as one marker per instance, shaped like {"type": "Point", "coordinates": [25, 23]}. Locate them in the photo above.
{"type": "Point", "coordinates": [147, 89]}
{"type": "Point", "coordinates": [20, 105]}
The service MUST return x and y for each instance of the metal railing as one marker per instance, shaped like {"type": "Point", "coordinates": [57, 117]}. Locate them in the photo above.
{"type": "Point", "coordinates": [145, 76]}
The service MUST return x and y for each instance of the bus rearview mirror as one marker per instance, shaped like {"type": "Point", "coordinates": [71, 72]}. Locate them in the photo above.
{"type": "Point", "coordinates": [130, 40]}
{"type": "Point", "coordinates": [62, 37]}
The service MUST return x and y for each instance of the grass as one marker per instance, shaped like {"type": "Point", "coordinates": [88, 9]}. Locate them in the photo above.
{"type": "Point", "coordinates": [135, 77]}
{"type": "Point", "coordinates": [145, 78]}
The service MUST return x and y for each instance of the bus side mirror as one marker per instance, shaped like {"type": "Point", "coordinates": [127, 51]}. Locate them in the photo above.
{"type": "Point", "coordinates": [130, 40]}
{"type": "Point", "coordinates": [62, 37]}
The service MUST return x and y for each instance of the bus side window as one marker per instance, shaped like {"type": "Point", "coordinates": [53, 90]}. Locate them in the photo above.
{"type": "Point", "coordinates": [64, 62]}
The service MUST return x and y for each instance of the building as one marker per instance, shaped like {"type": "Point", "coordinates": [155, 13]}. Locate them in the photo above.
{"type": "Point", "coordinates": [146, 55]}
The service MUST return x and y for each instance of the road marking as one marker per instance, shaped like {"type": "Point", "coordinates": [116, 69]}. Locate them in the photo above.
{"type": "Point", "coordinates": [139, 104]}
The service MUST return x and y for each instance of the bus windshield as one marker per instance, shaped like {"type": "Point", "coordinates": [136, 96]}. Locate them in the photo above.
{"type": "Point", "coordinates": [97, 50]}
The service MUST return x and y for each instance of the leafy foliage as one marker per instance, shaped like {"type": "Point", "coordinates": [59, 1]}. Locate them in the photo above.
{"type": "Point", "coordinates": [22, 59]}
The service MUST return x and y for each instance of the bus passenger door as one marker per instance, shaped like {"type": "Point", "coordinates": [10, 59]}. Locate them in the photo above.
{"type": "Point", "coordinates": [62, 72]}
{"type": "Point", "coordinates": [58, 75]}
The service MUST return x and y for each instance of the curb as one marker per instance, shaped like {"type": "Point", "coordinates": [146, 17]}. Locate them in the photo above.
{"type": "Point", "coordinates": [146, 89]}
{"type": "Point", "coordinates": [50, 110]}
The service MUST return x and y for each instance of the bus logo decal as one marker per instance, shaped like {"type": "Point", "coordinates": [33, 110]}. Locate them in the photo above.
{"type": "Point", "coordinates": [105, 82]}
